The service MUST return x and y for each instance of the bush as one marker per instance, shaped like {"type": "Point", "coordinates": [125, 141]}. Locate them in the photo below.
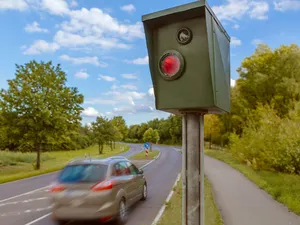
{"type": "Point", "coordinates": [132, 140]}
{"type": "Point", "coordinates": [269, 143]}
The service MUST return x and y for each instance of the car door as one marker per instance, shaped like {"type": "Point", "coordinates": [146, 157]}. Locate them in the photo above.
{"type": "Point", "coordinates": [137, 180]}
{"type": "Point", "coordinates": [128, 178]}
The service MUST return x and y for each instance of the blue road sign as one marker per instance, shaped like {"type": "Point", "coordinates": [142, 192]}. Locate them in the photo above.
{"type": "Point", "coordinates": [146, 145]}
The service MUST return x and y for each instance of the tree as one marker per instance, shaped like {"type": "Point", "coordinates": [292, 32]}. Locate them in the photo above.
{"type": "Point", "coordinates": [39, 107]}
{"type": "Point", "coordinates": [142, 129]}
{"type": "Point", "coordinates": [175, 128]}
{"type": "Point", "coordinates": [271, 77]}
{"type": "Point", "coordinates": [151, 136]}
{"type": "Point", "coordinates": [212, 127]}
{"type": "Point", "coordinates": [120, 124]}
{"type": "Point", "coordinates": [100, 134]}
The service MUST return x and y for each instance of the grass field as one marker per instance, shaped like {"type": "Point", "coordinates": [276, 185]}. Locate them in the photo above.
{"type": "Point", "coordinates": [172, 214]}
{"type": "Point", "coordinates": [15, 166]}
{"type": "Point", "coordinates": [284, 188]}
{"type": "Point", "coordinates": [142, 155]}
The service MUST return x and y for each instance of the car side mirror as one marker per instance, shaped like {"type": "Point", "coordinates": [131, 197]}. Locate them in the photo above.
{"type": "Point", "coordinates": [141, 171]}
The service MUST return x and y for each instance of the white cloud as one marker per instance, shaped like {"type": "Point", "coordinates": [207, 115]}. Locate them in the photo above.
{"type": "Point", "coordinates": [69, 39]}
{"type": "Point", "coordinates": [73, 4]}
{"type": "Point", "coordinates": [129, 76]}
{"type": "Point", "coordinates": [20, 5]}
{"type": "Point", "coordinates": [106, 78]}
{"type": "Point", "coordinates": [114, 87]}
{"type": "Point", "coordinates": [151, 91]}
{"type": "Point", "coordinates": [90, 112]}
{"type": "Point", "coordinates": [232, 82]}
{"type": "Point", "coordinates": [129, 87]}
{"type": "Point", "coordinates": [235, 42]}
{"type": "Point", "coordinates": [82, 74]}
{"type": "Point", "coordinates": [256, 42]}
{"type": "Point", "coordinates": [233, 9]}
{"type": "Point", "coordinates": [259, 10]}
{"type": "Point", "coordinates": [236, 26]}
{"type": "Point", "coordinates": [35, 27]}
{"type": "Point", "coordinates": [236, 9]}
{"type": "Point", "coordinates": [96, 27]}
{"type": "Point", "coordinates": [55, 7]}
{"type": "Point", "coordinates": [84, 60]}
{"type": "Point", "coordinates": [286, 5]}
{"type": "Point", "coordinates": [139, 61]}
{"type": "Point", "coordinates": [128, 8]}
{"type": "Point", "coordinates": [100, 101]}
{"type": "Point", "coordinates": [89, 28]}
{"type": "Point", "coordinates": [124, 95]}
{"type": "Point", "coordinates": [41, 46]}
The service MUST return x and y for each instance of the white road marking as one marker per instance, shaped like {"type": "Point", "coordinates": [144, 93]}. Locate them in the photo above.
{"type": "Point", "coordinates": [25, 201]}
{"type": "Point", "coordinates": [162, 209]}
{"type": "Point", "coordinates": [38, 219]}
{"type": "Point", "coordinates": [147, 164]}
{"type": "Point", "coordinates": [27, 193]}
{"type": "Point", "coordinates": [26, 211]}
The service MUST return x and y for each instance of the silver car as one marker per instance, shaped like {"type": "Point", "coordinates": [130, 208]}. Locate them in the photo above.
{"type": "Point", "coordinates": [97, 189]}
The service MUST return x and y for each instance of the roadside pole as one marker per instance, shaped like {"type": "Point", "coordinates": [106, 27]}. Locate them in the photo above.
{"type": "Point", "coordinates": [193, 169]}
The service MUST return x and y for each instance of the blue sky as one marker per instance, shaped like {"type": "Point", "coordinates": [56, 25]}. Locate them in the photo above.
{"type": "Point", "coordinates": [101, 46]}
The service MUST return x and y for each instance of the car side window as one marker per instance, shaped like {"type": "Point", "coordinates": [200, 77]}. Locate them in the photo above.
{"type": "Point", "coordinates": [133, 169]}
{"type": "Point", "coordinates": [125, 169]}
{"type": "Point", "coordinates": [117, 171]}
{"type": "Point", "coordinates": [121, 169]}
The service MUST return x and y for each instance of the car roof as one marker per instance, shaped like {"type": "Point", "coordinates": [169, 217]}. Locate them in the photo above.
{"type": "Point", "coordinates": [105, 161]}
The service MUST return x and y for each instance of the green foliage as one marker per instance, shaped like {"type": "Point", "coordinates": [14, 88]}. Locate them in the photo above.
{"type": "Point", "coordinates": [151, 136]}
{"type": "Point", "coordinates": [105, 132]}
{"type": "Point", "coordinates": [170, 130]}
{"type": "Point", "coordinates": [269, 142]}
{"type": "Point", "coordinates": [38, 108]}
{"type": "Point", "coordinates": [211, 128]}
{"type": "Point", "coordinates": [131, 140]}
{"type": "Point", "coordinates": [122, 130]}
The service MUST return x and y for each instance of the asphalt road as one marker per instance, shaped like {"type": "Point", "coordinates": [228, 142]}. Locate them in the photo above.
{"type": "Point", "coordinates": [241, 202]}
{"type": "Point", "coordinates": [25, 202]}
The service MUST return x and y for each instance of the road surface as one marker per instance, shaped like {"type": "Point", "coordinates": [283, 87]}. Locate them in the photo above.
{"type": "Point", "coordinates": [33, 208]}
{"type": "Point", "coordinates": [241, 202]}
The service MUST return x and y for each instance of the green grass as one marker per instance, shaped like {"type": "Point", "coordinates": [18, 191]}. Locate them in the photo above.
{"type": "Point", "coordinates": [285, 188]}
{"type": "Point", "coordinates": [15, 166]}
{"type": "Point", "coordinates": [172, 214]}
{"type": "Point", "coordinates": [142, 155]}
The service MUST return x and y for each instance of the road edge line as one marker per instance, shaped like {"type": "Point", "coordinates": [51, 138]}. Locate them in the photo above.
{"type": "Point", "coordinates": [38, 219]}
{"type": "Point", "coordinates": [163, 208]}
{"type": "Point", "coordinates": [27, 193]}
{"type": "Point", "coordinates": [177, 149]}
{"type": "Point", "coordinates": [155, 158]}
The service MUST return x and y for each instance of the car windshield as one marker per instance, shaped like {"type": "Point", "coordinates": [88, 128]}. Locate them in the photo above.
{"type": "Point", "coordinates": [83, 173]}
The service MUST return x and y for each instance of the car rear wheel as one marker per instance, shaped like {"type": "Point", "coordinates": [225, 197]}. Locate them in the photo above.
{"type": "Point", "coordinates": [122, 214]}
{"type": "Point", "coordinates": [145, 192]}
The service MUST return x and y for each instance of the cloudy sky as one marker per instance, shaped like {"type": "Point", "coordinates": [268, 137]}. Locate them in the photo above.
{"type": "Point", "coordinates": [101, 46]}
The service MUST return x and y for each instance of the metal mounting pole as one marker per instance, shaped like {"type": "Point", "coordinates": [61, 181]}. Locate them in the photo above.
{"type": "Point", "coordinates": [193, 169]}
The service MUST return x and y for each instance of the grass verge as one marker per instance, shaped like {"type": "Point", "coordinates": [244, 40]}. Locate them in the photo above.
{"type": "Point", "coordinates": [172, 214]}
{"type": "Point", "coordinates": [16, 166]}
{"type": "Point", "coordinates": [284, 188]}
{"type": "Point", "coordinates": [142, 155]}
